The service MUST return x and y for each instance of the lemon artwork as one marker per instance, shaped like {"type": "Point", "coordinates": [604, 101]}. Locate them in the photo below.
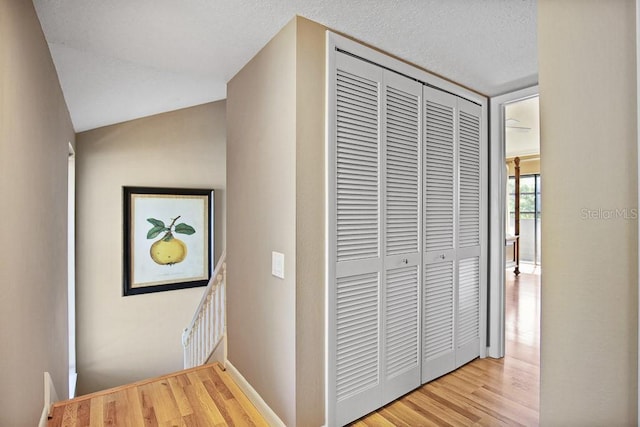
{"type": "Point", "coordinates": [168, 250]}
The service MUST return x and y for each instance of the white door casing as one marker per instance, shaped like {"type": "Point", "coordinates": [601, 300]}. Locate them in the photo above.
{"type": "Point", "coordinates": [497, 207]}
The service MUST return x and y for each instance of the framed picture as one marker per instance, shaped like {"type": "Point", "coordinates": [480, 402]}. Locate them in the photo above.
{"type": "Point", "coordinates": [167, 239]}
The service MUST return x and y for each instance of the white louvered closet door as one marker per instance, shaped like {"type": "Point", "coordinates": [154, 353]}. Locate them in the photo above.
{"type": "Point", "coordinates": [439, 216]}
{"type": "Point", "coordinates": [452, 233]}
{"type": "Point", "coordinates": [401, 241]}
{"type": "Point", "coordinates": [374, 305]}
{"type": "Point", "coordinates": [356, 295]}
{"type": "Point", "coordinates": [470, 234]}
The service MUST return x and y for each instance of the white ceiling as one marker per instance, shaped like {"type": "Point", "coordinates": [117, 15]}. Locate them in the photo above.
{"type": "Point", "coordinates": [522, 133]}
{"type": "Point", "coordinates": [123, 59]}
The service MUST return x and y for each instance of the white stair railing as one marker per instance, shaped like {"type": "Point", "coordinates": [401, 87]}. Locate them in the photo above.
{"type": "Point", "coordinates": [209, 325]}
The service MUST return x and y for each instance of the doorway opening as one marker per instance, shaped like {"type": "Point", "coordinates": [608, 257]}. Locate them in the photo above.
{"type": "Point", "coordinates": [513, 116]}
{"type": "Point", "coordinates": [522, 161]}
{"type": "Point", "coordinates": [523, 216]}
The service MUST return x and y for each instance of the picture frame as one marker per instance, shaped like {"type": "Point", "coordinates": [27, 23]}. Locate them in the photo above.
{"type": "Point", "coordinates": [167, 238]}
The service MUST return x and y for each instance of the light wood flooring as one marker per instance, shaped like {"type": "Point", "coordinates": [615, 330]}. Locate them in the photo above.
{"type": "Point", "coordinates": [485, 392]}
{"type": "Point", "coordinates": [203, 396]}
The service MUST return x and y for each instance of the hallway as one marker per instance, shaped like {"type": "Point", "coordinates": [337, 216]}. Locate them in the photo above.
{"type": "Point", "coordinates": [485, 392]}
{"type": "Point", "coordinates": [522, 317]}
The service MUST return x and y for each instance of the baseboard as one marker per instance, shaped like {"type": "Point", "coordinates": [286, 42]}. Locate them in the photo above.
{"type": "Point", "coordinates": [270, 417]}
{"type": "Point", "coordinates": [50, 397]}
{"type": "Point", "coordinates": [218, 354]}
{"type": "Point", "coordinates": [73, 381]}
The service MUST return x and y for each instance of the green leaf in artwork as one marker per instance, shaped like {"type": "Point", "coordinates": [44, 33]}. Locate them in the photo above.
{"type": "Point", "coordinates": [156, 222]}
{"type": "Point", "coordinates": [155, 231]}
{"type": "Point", "coordinates": [183, 228]}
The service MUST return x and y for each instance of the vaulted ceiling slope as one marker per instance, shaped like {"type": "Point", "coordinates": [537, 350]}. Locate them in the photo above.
{"type": "Point", "coordinates": [122, 59]}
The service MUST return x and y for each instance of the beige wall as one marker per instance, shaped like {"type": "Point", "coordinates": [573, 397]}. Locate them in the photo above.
{"type": "Point", "coordinates": [310, 222]}
{"type": "Point", "coordinates": [275, 165]}
{"type": "Point", "coordinates": [123, 339]}
{"type": "Point", "coordinates": [35, 129]}
{"type": "Point", "coordinates": [261, 179]}
{"type": "Point", "coordinates": [589, 282]}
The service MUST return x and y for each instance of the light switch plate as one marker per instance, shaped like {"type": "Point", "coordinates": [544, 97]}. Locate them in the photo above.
{"type": "Point", "coordinates": [277, 264]}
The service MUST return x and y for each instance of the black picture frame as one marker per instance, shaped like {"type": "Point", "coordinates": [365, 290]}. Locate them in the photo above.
{"type": "Point", "coordinates": [168, 236]}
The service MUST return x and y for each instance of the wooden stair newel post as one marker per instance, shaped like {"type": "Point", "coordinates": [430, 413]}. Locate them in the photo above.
{"type": "Point", "coordinates": [516, 248]}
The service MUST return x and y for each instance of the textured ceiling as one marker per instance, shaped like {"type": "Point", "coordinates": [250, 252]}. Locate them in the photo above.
{"type": "Point", "coordinates": [122, 59]}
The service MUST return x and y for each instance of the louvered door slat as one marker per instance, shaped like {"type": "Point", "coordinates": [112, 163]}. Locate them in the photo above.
{"type": "Point", "coordinates": [438, 310]}
{"type": "Point", "coordinates": [438, 322]}
{"type": "Point", "coordinates": [357, 317]}
{"type": "Point", "coordinates": [439, 139]}
{"type": "Point", "coordinates": [357, 178]}
{"type": "Point", "coordinates": [402, 144]}
{"type": "Point", "coordinates": [469, 148]}
{"type": "Point", "coordinates": [468, 302]}
{"type": "Point", "coordinates": [468, 323]}
{"type": "Point", "coordinates": [402, 306]}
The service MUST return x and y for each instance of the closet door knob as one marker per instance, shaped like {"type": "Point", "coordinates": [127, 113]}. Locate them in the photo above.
{"type": "Point", "coordinates": [442, 256]}
{"type": "Point", "coordinates": [405, 261]}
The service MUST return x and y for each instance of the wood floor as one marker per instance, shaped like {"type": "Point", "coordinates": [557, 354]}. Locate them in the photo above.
{"type": "Point", "coordinates": [203, 396]}
{"type": "Point", "coordinates": [485, 392]}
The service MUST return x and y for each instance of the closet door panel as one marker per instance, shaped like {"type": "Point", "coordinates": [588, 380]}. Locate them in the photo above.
{"type": "Point", "coordinates": [438, 344]}
{"type": "Point", "coordinates": [402, 165]}
{"type": "Point", "coordinates": [357, 345]}
{"type": "Point", "coordinates": [402, 332]}
{"type": "Point", "coordinates": [468, 328]}
{"type": "Point", "coordinates": [469, 174]}
{"type": "Point", "coordinates": [439, 201]}
{"type": "Point", "coordinates": [356, 292]}
{"type": "Point", "coordinates": [469, 226]}
{"type": "Point", "coordinates": [358, 160]}
{"type": "Point", "coordinates": [439, 172]}
{"type": "Point", "coordinates": [402, 183]}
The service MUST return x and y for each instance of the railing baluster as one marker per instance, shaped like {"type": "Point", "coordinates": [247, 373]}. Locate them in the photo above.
{"type": "Point", "coordinates": [220, 310]}
{"type": "Point", "coordinates": [210, 321]}
{"type": "Point", "coordinates": [203, 320]}
{"type": "Point", "coordinates": [215, 314]}
{"type": "Point", "coordinates": [196, 349]}
{"type": "Point", "coordinates": [208, 327]}
{"type": "Point", "coordinates": [200, 339]}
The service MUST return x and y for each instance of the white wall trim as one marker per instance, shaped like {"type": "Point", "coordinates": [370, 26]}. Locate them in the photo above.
{"type": "Point", "coordinates": [638, 181]}
{"type": "Point", "coordinates": [270, 417]}
{"type": "Point", "coordinates": [498, 182]}
{"type": "Point", "coordinates": [485, 243]}
{"type": "Point", "coordinates": [330, 224]}
{"type": "Point", "coordinates": [71, 269]}
{"type": "Point", "coordinates": [50, 397]}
